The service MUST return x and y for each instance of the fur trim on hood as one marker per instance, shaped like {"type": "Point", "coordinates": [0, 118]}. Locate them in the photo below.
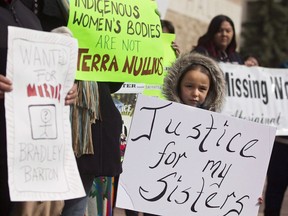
{"type": "Point", "coordinates": [216, 95]}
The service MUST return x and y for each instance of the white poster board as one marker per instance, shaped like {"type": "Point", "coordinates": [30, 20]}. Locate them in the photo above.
{"type": "Point", "coordinates": [182, 160]}
{"type": "Point", "coordinates": [41, 162]}
{"type": "Point", "coordinates": [257, 94]}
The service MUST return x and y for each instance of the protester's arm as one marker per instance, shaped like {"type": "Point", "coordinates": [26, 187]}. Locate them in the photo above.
{"type": "Point", "coordinates": [5, 86]}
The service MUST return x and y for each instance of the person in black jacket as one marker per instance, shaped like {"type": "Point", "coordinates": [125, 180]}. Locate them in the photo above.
{"type": "Point", "coordinates": [96, 122]}
{"type": "Point", "coordinates": [13, 13]}
{"type": "Point", "coordinates": [277, 174]}
{"type": "Point", "coordinates": [21, 14]}
{"type": "Point", "coordinates": [219, 42]}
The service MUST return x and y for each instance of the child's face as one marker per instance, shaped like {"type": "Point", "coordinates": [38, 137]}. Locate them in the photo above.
{"type": "Point", "coordinates": [194, 88]}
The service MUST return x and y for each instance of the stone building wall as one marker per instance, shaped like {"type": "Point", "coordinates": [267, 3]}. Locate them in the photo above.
{"type": "Point", "coordinates": [191, 18]}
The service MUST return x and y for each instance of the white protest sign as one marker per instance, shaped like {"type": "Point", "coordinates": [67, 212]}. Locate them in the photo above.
{"type": "Point", "coordinates": [257, 94]}
{"type": "Point", "coordinates": [41, 162]}
{"type": "Point", "coordinates": [182, 160]}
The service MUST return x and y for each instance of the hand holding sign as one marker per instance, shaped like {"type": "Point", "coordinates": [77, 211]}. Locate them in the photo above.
{"type": "Point", "coordinates": [5, 86]}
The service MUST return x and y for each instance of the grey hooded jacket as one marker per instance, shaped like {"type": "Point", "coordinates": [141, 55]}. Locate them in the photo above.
{"type": "Point", "coordinates": [216, 95]}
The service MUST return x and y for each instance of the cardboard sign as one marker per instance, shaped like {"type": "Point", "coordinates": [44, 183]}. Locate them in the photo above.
{"type": "Point", "coordinates": [41, 162]}
{"type": "Point", "coordinates": [120, 41]}
{"type": "Point", "coordinates": [182, 160]}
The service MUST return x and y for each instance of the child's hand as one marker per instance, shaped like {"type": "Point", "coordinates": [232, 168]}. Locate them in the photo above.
{"type": "Point", "coordinates": [5, 86]}
{"type": "Point", "coordinates": [72, 95]}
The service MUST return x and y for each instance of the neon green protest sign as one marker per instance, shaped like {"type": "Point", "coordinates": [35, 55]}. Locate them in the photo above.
{"type": "Point", "coordinates": [119, 40]}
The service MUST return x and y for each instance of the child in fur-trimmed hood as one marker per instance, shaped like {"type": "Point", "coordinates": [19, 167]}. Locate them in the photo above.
{"type": "Point", "coordinates": [195, 80]}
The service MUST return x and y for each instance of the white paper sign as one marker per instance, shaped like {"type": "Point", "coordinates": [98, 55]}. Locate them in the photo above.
{"type": "Point", "coordinates": [182, 160]}
{"type": "Point", "coordinates": [41, 162]}
{"type": "Point", "coordinates": [257, 94]}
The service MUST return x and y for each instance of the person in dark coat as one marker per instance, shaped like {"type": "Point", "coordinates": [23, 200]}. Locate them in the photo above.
{"type": "Point", "coordinates": [96, 129]}
{"type": "Point", "coordinates": [14, 14]}
{"type": "Point", "coordinates": [96, 122]}
{"type": "Point", "coordinates": [20, 14]}
{"type": "Point", "coordinates": [219, 42]}
{"type": "Point", "coordinates": [277, 174]}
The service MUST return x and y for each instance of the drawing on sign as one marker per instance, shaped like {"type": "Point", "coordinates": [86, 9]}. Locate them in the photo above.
{"type": "Point", "coordinates": [43, 121]}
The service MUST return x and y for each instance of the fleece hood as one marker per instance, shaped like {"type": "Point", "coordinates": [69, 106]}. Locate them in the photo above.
{"type": "Point", "coordinates": [216, 95]}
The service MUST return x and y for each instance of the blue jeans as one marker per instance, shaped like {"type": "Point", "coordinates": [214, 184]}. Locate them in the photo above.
{"type": "Point", "coordinates": [77, 207]}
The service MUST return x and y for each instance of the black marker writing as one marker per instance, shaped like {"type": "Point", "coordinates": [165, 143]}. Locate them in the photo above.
{"type": "Point", "coordinates": [173, 155]}
{"type": "Point", "coordinates": [155, 109]}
